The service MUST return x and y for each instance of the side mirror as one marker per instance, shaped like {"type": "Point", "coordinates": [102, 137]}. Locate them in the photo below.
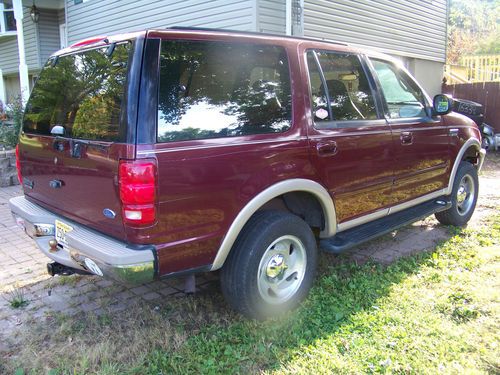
{"type": "Point", "coordinates": [442, 104]}
{"type": "Point", "coordinates": [57, 130]}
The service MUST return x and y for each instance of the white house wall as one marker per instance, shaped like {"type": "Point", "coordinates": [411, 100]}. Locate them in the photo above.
{"type": "Point", "coordinates": [48, 28]}
{"type": "Point", "coordinates": [271, 16]}
{"type": "Point", "coordinates": [9, 55]}
{"type": "Point", "coordinates": [94, 17]}
{"type": "Point", "coordinates": [412, 28]}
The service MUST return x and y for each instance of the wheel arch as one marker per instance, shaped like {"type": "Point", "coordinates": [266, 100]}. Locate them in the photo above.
{"type": "Point", "coordinates": [471, 151]}
{"type": "Point", "coordinates": [272, 192]}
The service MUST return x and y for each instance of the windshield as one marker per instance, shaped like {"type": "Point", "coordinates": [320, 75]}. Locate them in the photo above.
{"type": "Point", "coordinates": [80, 95]}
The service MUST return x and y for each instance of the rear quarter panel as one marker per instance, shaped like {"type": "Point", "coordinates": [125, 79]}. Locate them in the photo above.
{"type": "Point", "coordinates": [203, 184]}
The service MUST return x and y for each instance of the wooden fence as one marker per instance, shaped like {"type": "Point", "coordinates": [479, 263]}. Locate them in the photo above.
{"type": "Point", "coordinates": [482, 68]}
{"type": "Point", "coordinates": [486, 93]}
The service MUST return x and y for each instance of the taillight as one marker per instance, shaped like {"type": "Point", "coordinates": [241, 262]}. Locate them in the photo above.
{"type": "Point", "coordinates": [137, 180]}
{"type": "Point", "coordinates": [18, 166]}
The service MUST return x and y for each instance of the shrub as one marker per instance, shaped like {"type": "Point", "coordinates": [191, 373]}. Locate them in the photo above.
{"type": "Point", "coordinates": [11, 118]}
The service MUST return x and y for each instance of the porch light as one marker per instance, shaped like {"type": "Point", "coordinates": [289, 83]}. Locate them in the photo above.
{"type": "Point", "coordinates": [34, 13]}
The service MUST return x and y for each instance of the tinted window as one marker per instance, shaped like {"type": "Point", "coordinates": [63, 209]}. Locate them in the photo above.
{"type": "Point", "coordinates": [82, 93]}
{"type": "Point", "coordinates": [318, 91]}
{"type": "Point", "coordinates": [347, 88]}
{"type": "Point", "coordinates": [215, 89]}
{"type": "Point", "coordinates": [404, 98]}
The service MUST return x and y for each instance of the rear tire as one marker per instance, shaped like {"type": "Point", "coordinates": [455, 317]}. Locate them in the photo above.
{"type": "Point", "coordinates": [271, 266]}
{"type": "Point", "coordinates": [463, 197]}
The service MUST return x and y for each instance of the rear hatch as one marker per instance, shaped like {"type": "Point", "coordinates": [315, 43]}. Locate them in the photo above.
{"type": "Point", "coordinates": [75, 132]}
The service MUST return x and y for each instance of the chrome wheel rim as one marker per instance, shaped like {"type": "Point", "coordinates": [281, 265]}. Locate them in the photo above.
{"type": "Point", "coordinates": [465, 195]}
{"type": "Point", "coordinates": [281, 269]}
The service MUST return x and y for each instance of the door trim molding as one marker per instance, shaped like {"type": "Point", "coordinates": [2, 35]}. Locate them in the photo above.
{"type": "Point", "coordinates": [390, 210]}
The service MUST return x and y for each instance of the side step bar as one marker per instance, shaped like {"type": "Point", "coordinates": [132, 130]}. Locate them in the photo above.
{"type": "Point", "coordinates": [356, 236]}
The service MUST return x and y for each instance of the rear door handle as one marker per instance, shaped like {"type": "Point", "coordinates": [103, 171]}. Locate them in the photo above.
{"type": "Point", "coordinates": [327, 148]}
{"type": "Point", "coordinates": [406, 138]}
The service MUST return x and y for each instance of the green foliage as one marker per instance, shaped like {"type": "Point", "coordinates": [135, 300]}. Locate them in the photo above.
{"type": "Point", "coordinates": [11, 119]}
{"type": "Point", "coordinates": [491, 45]}
{"type": "Point", "coordinates": [17, 299]}
{"type": "Point", "coordinates": [473, 28]}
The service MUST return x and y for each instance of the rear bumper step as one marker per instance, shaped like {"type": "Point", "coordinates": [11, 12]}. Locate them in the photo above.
{"type": "Point", "coordinates": [86, 250]}
{"type": "Point", "coordinates": [356, 236]}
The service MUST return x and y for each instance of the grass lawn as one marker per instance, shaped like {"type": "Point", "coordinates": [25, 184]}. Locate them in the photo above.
{"type": "Point", "coordinates": [436, 312]}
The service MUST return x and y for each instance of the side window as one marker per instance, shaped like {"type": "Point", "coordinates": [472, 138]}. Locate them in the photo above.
{"type": "Point", "coordinates": [318, 91]}
{"type": "Point", "coordinates": [404, 98]}
{"type": "Point", "coordinates": [346, 85]}
{"type": "Point", "coordinates": [216, 89]}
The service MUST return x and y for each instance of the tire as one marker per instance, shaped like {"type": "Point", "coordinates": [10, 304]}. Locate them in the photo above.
{"type": "Point", "coordinates": [463, 197]}
{"type": "Point", "coordinates": [254, 280]}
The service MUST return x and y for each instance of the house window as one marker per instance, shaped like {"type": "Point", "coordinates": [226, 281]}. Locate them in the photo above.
{"type": "Point", "coordinates": [10, 21]}
{"type": "Point", "coordinates": [7, 20]}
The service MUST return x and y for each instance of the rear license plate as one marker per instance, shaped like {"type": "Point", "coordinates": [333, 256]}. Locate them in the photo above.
{"type": "Point", "coordinates": [61, 230]}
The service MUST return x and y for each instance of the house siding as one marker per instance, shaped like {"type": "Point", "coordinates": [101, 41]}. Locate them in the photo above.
{"type": "Point", "coordinates": [271, 16]}
{"type": "Point", "coordinates": [9, 55]}
{"type": "Point", "coordinates": [413, 28]}
{"type": "Point", "coordinates": [48, 31]}
{"type": "Point", "coordinates": [98, 17]}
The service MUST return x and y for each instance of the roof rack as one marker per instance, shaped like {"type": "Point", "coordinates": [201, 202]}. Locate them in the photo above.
{"type": "Point", "coordinates": [187, 28]}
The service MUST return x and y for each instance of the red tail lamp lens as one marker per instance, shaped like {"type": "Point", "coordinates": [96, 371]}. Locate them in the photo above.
{"type": "Point", "coordinates": [18, 166]}
{"type": "Point", "coordinates": [138, 191]}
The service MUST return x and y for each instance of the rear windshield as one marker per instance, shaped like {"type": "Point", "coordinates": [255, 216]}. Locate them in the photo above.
{"type": "Point", "coordinates": [81, 94]}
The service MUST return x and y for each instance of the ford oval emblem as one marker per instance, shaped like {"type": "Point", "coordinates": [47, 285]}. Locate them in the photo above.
{"type": "Point", "coordinates": [110, 214]}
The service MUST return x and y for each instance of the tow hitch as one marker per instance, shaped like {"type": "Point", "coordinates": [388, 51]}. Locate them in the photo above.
{"type": "Point", "coordinates": [55, 268]}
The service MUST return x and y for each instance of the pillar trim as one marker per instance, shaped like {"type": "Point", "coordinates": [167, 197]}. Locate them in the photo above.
{"type": "Point", "coordinates": [3, 95]}
{"type": "Point", "coordinates": [23, 68]}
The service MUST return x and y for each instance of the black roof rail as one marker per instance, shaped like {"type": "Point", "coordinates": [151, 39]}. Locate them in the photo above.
{"type": "Point", "coordinates": [187, 28]}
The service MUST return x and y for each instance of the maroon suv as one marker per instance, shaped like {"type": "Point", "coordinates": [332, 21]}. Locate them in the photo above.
{"type": "Point", "coordinates": [176, 151]}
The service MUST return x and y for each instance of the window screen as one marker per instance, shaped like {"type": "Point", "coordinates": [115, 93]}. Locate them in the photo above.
{"type": "Point", "coordinates": [346, 87]}
{"type": "Point", "coordinates": [404, 98]}
{"type": "Point", "coordinates": [216, 89]}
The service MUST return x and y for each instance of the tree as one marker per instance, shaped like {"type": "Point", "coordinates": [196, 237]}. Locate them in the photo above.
{"type": "Point", "coordinates": [473, 27]}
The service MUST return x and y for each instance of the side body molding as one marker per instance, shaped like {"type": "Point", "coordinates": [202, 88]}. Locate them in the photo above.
{"type": "Point", "coordinates": [326, 203]}
{"type": "Point", "coordinates": [287, 186]}
{"type": "Point", "coordinates": [482, 153]}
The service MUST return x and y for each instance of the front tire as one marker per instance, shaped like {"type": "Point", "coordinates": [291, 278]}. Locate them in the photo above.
{"type": "Point", "coordinates": [463, 197]}
{"type": "Point", "coordinates": [271, 266]}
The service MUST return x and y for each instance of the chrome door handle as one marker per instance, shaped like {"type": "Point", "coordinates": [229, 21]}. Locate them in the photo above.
{"type": "Point", "coordinates": [406, 138]}
{"type": "Point", "coordinates": [327, 148]}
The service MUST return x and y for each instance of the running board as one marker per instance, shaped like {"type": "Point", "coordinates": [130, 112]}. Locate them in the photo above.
{"type": "Point", "coordinates": [362, 233]}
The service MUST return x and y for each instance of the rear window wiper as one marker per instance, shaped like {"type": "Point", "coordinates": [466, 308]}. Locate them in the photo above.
{"type": "Point", "coordinates": [110, 49]}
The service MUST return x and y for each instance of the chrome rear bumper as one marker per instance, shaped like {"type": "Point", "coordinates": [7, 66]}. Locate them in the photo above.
{"type": "Point", "coordinates": [86, 249]}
